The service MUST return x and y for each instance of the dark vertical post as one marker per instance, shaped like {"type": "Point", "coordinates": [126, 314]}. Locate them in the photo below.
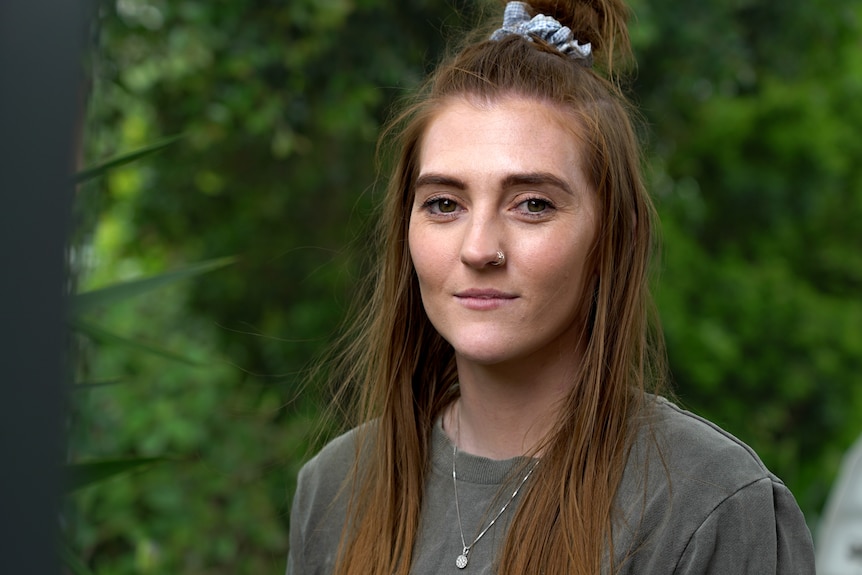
{"type": "Point", "coordinates": [40, 71]}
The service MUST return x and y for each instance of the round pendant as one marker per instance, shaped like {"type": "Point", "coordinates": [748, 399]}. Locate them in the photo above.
{"type": "Point", "coordinates": [461, 561]}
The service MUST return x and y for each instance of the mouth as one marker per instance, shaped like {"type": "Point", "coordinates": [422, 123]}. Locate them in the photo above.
{"type": "Point", "coordinates": [484, 294]}
{"type": "Point", "coordinates": [483, 299]}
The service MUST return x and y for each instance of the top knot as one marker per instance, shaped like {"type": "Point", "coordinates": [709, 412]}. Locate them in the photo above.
{"type": "Point", "coordinates": [517, 20]}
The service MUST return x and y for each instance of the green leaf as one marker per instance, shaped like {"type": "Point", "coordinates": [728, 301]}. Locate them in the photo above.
{"type": "Point", "coordinates": [89, 300]}
{"type": "Point", "coordinates": [96, 171]}
{"type": "Point", "coordinates": [71, 560]}
{"type": "Point", "coordinates": [85, 385]}
{"type": "Point", "coordinates": [98, 333]}
{"type": "Point", "coordinates": [80, 475]}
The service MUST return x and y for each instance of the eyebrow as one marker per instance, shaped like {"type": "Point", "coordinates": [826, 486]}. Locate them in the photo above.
{"type": "Point", "coordinates": [537, 179]}
{"type": "Point", "coordinates": [510, 181]}
{"type": "Point", "coordinates": [439, 180]}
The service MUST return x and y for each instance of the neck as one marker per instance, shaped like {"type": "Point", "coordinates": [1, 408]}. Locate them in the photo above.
{"type": "Point", "coordinates": [505, 412]}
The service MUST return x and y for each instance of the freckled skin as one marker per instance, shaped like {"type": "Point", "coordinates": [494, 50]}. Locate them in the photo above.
{"type": "Point", "coordinates": [505, 175]}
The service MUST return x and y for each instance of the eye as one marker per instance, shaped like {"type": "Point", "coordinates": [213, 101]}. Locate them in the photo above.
{"type": "Point", "coordinates": [536, 205]}
{"type": "Point", "coordinates": [441, 206]}
{"type": "Point", "coordinates": [445, 206]}
{"type": "Point", "coordinates": [537, 208]}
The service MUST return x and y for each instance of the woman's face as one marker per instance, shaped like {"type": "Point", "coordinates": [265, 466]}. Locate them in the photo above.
{"type": "Point", "coordinates": [508, 176]}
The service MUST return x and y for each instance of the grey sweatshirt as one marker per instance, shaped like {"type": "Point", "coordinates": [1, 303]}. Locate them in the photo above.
{"type": "Point", "coordinates": [693, 500]}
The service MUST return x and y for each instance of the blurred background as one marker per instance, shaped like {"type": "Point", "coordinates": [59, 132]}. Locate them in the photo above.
{"type": "Point", "coordinates": [232, 154]}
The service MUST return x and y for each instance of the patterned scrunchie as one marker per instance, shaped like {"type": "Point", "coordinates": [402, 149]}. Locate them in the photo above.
{"type": "Point", "coordinates": [516, 20]}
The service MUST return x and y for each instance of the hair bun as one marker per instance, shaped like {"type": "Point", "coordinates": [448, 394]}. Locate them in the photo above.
{"type": "Point", "coordinates": [518, 20]}
{"type": "Point", "coordinates": [601, 23]}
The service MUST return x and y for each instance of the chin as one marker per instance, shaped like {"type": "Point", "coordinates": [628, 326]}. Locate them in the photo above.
{"type": "Point", "coordinates": [485, 355]}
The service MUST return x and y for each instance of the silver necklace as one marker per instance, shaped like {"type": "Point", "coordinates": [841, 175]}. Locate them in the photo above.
{"type": "Point", "coordinates": [461, 561]}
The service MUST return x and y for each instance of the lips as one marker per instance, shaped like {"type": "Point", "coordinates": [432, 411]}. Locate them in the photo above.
{"type": "Point", "coordinates": [484, 294]}
{"type": "Point", "coordinates": [483, 299]}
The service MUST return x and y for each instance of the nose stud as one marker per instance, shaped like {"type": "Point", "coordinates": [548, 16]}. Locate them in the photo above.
{"type": "Point", "coordinates": [501, 259]}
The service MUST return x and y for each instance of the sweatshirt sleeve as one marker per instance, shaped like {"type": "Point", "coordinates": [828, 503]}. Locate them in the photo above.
{"type": "Point", "coordinates": [757, 530]}
{"type": "Point", "coordinates": [298, 519]}
{"type": "Point", "coordinates": [319, 509]}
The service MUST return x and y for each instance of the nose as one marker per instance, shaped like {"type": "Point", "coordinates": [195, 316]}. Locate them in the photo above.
{"type": "Point", "coordinates": [482, 242]}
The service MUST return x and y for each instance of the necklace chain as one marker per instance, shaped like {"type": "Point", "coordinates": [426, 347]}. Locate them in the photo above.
{"type": "Point", "coordinates": [461, 561]}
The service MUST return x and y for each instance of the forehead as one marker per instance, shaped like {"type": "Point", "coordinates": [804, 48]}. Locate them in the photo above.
{"type": "Point", "coordinates": [512, 133]}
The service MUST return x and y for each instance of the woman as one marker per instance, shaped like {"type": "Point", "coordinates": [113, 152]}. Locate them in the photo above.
{"type": "Point", "coordinates": [504, 361]}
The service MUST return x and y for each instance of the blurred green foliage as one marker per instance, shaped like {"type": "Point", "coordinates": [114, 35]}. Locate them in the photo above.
{"type": "Point", "coordinates": [750, 109]}
{"type": "Point", "coordinates": [754, 109]}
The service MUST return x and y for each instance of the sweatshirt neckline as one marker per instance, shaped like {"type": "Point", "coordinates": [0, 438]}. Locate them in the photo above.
{"type": "Point", "coordinates": [471, 468]}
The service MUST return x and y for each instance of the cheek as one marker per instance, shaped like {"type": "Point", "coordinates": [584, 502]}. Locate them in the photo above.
{"type": "Point", "coordinates": [413, 247]}
{"type": "Point", "coordinates": [420, 254]}
{"type": "Point", "coordinates": [562, 272]}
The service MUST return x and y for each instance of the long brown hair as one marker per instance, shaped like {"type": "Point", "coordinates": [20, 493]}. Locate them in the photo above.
{"type": "Point", "coordinates": [401, 373]}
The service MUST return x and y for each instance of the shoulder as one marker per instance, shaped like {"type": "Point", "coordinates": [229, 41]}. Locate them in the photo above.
{"type": "Point", "coordinates": [686, 465]}
{"type": "Point", "coordinates": [694, 448]}
{"type": "Point", "coordinates": [693, 495]}
{"type": "Point", "coordinates": [321, 482]}
{"type": "Point", "coordinates": [333, 461]}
